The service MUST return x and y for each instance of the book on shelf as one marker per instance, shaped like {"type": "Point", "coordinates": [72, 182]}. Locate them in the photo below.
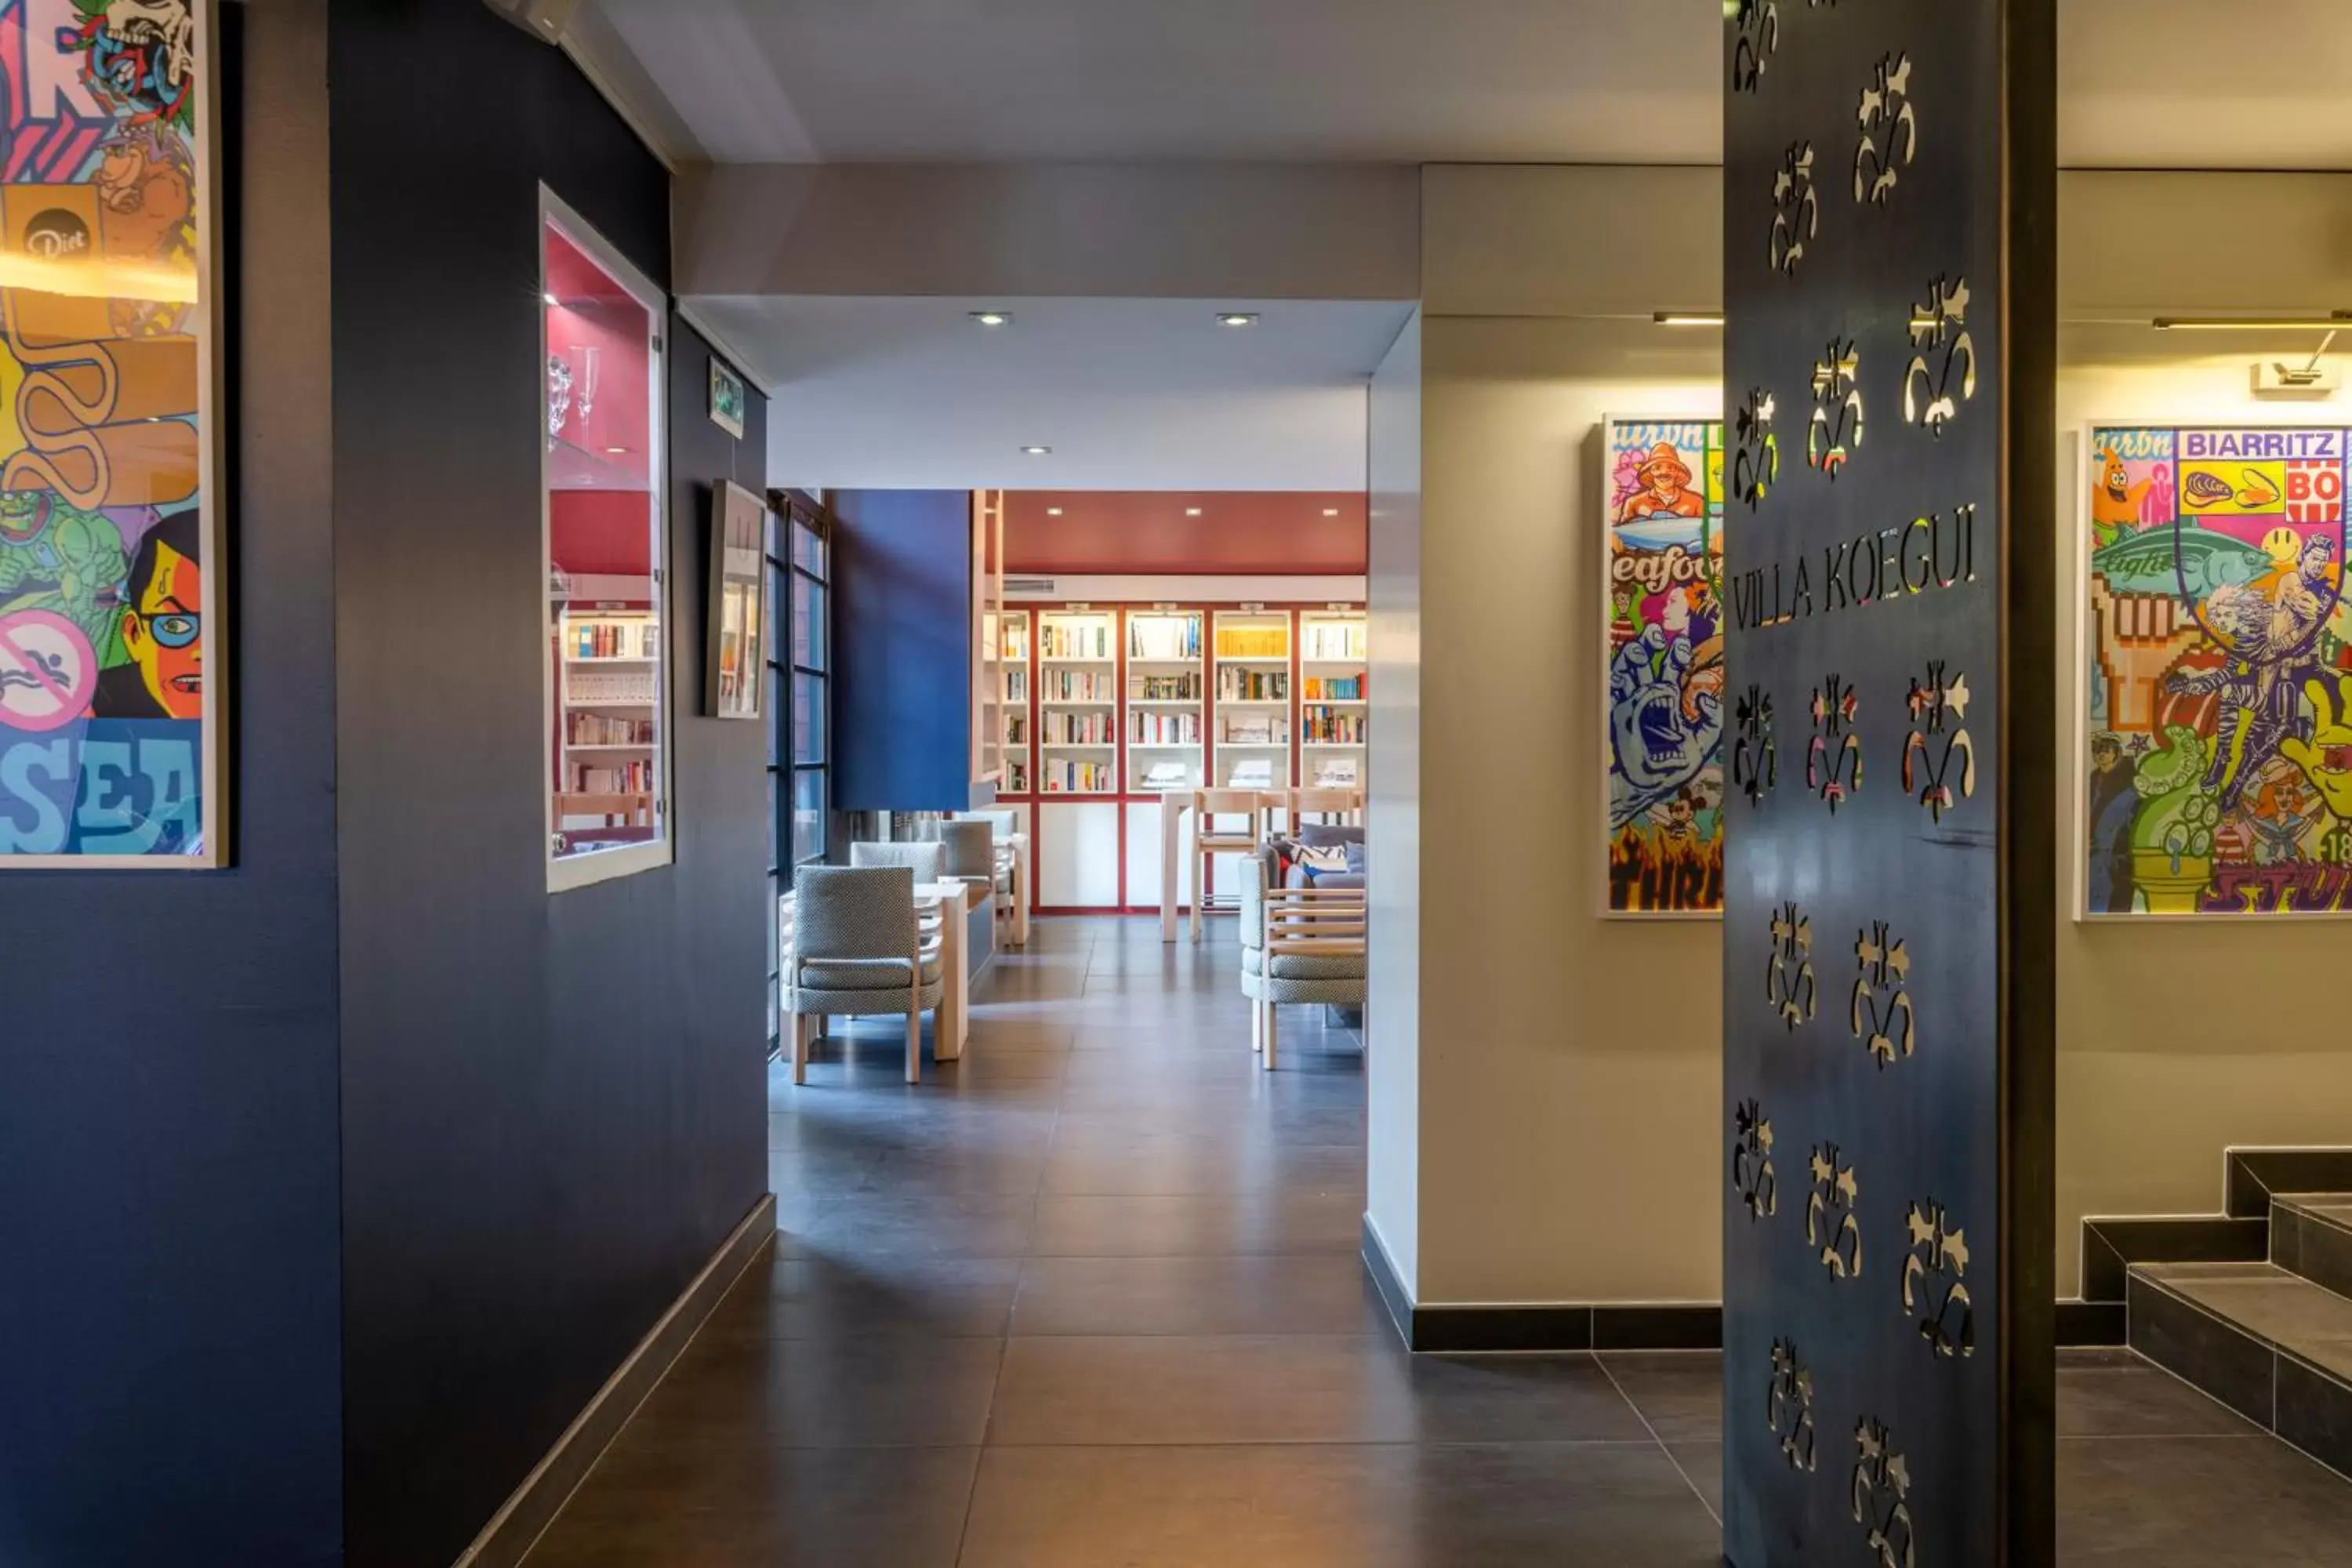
{"type": "Point", "coordinates": [1076, 729]}
{"type": "Point", "coordinates": [1335, 772]}
{"type": "Point", "coordinates": [1236, 685]}
{"type": "Point", "coordinates": [1016, 777]}
{"type": "Point", "coordinates": [612, 778]}
{"type": "Point", "coordinates": [1016, 686]}
{"type": "Point", "coordinates": [1254, 730]}
{"type": "Point", "coordinates": [604, 730]}
{"type": "Point", "coordinates": [612, 639]}
{"type": "Point", "coordinates": [1076, 686]}
{"type": "Point", "coordinates": [1017, 729]}
{"type": "Point", "coordinates": [1074, 639]}
{"type": "Point", "coordinates": [621, 687]}
{"type": "Point", "coordinates": [1167, 775]}
{"type": "Point", "coordinates": [1152, 727]}
{"type": "Point", "coordinates": [1061, 775]}
{"type": "Point", "coordinates": [1331, 641]}
{"type": "Point", "coordinates": [1251, 773]}
{"type": "Point", "coordinates": [1334, 688]}
{"type": "Point", "coordinates": [1164, 687]}
{"type": "Point", "coordinates": [1252, 642]}
{"type": "Point", "coordinates": [1332, 726]}
{"type": "Point", "coordinates": [1163, 636]}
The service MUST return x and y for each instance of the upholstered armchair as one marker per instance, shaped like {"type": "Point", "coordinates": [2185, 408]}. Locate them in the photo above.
{"type": "Point", "coordinates": [856, 948]}
{"type": "Point", "coordinates": [1299, 945]}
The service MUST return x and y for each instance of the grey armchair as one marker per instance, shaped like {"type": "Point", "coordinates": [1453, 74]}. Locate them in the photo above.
{"type": "Point", "coordinates": [1298, 945]}
{"type": "Point", "coordinates": [856, 948]}
{"type": "Point", "coordinates": [1011, 893]}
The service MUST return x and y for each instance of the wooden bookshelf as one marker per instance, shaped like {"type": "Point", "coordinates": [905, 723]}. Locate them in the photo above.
{"type": "Point", "coordinates": [1254, 689]}
{"type": "Point", "coordinates": [1333, 697]}
{"type": "Point", "coordinates": [1165, 708]}
{"type": "Point", "coordinates": [610, 713]}
{"type": "Point", "coordinates": [1077, 702]}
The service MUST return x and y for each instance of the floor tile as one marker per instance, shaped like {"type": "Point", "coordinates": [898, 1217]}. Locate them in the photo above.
{"type": "Point", "coordinates": [946, 1224]}
{"type": "Point", "coordinates": [2118, 1393]}
{"type": "Point", "coordinates": [1324, 1294]}
{"type": "Point", "coordinates": [2198, 1502]}
{"type": "Point", "coordinates": [1211, 1223]}
{"type": "Point", "coordinates": [860, 1392]}
{"type": "Point", "coordinates": [1678, 1393]}
{"type": "Point", "coordinates": [788, 1298]}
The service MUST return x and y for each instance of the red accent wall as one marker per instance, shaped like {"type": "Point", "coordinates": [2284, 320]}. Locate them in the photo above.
{"type": "Point", "coordinates": [1147, 533]}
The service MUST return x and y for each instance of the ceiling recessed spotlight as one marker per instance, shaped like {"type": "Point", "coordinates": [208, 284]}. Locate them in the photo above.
{"type": "Point", "coordinates": [1053, 512]}
{"type": "Point", "coordinates": [1191, 511]}
{"type": "Point", "coordinates": [1237, 318]}
{"type": "Point", "coordinates": [992, 318]}
{"type": "Point", "coordinates": [550, 298]}
{"type": "Point", "coordinates": [1036, 451]}
{"type": "Point", "coordinates": [615, 451]}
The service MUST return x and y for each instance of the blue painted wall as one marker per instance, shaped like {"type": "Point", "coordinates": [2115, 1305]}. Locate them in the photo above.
{"type": "Point", "coordinates": [169, 1296]}
{"type": "Point", "coordinates": [902, 650]}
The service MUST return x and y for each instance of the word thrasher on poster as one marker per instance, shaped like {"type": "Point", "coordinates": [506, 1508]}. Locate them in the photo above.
{"type": "Point", "coordinates": [1663, 666]}
{"type": "Point", "coordinates": [110, 545]}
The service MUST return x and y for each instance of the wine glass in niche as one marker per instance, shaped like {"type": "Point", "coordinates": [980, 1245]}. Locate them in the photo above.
{"type": "Point", "coordinates": [559, 395]}
{"type": "Point", "coordinates": [588, 358]}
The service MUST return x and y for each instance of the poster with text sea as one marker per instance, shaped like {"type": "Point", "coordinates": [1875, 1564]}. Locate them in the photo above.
{"type": "Point", "coordinates": [110, 709]}
{"type": "Point", "coordinates": [1663, 666]}
{"type": "Point", "coordinates": [2217, 753]}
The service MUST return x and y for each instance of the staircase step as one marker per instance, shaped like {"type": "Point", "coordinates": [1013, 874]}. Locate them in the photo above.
{"type": "Point", "coordinates": [2311, 1235]}
{"type": "Point", "coordinates": [2269, 1343]}
{"type": "Point", "coordinates": [2253, 1174]}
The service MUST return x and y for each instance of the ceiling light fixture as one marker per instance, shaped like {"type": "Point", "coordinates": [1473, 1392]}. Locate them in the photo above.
{"type": "Point", "coordinates": [1688, 317]}
{"type": "Point", "coordinates": [1053, 512]}
{"type": "Point", "coordinates": [992, 318]}
{"type": "Point", "coordinates": [1330, 512]}
{"type": "Point", "coordinates": [2337, 321]}
{"type": "Point", "coordinates": [615, 451]}
{"type": "Point", "coordinates": [1237, 318]}
{"type": "Point", "coordinates": [1036, 451]}
{"type": "Point", "coordinates": [550, 298]}
{"type": "Point", "coordinates": [1191, 511]}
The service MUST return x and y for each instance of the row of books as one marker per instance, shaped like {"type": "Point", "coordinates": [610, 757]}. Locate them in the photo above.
{"type": "Point", "coordinates": [1016, 777]}
{"type": "Point", "coordinates": [1076, 729]}
{"type": "Point", "coordinates": [1331, 727]}
{"type": "Point", "coordinates": [1266, 731]}
{"type": "Point", "coordinates": [613, 778]}
{"type": "Point", "coordinates": [1164, 687]}
{"type": "Point", "coordinates": [1252, 642]}
{"type": "Point", "coordinates": [1076, 686]}
{"type": "Point", "coordinates": [620, 688]}
{"type": "Point", "coordinates": [1155, 729]}
{"type": "Point", "coordinates": [604, 730]}
{"type": "Point", "coordinates": [1074, 639]}
{"type": "Point", "coordinates": [1252, 685]}
{"type": "Point", "coordinates": [1016, 730]}
{"type": "Point", "coordinates": [612, 639]}
{"type": "Point", "coordinates": [1017, 685]}
{"type": "Point", "coordinates": [1335, 689]}
{"type": "Point", "coordinates": [1334, 640]}
{"type": "Point", "coordinates": [1163, 636]}
{"type": "Point", "coordinates": [1062, 776]}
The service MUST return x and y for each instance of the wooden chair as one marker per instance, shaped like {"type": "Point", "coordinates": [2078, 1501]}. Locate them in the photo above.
{"type": "Point", "coordinates": [1209, 839]}
{"type": "Point", "coordinates": [1299, 945]}
{"type": "Point", "coordinates": [1330, 804]}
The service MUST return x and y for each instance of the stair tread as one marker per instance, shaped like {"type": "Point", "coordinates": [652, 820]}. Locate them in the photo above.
{"type": "Point", "coordinates": [2285, 1310]}
{"type": "Point", "coordinates": [2331, 1209]}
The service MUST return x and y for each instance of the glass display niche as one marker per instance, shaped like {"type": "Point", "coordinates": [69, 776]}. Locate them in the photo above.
{"type": "Point", "coordinates": [607, 714]}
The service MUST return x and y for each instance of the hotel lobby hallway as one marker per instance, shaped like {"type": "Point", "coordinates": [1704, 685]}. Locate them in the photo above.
{"type": "Point", "coordinates": [1090, 1299]}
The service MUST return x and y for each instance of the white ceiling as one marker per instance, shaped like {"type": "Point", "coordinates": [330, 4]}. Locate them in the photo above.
{"type": "Point", "coordinates": [2144, 83]}
{"type": "Point", "coordinates": [1130, 394]}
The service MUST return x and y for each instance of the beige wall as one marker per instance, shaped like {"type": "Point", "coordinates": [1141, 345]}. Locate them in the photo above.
{"type": "Point", "coordinates": [1570, 1124]}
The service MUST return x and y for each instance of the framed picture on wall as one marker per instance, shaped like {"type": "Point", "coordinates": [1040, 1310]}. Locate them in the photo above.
{"type": "Point", "coordinates": [1662, 699]}
{"type": "Point", "coordinates": [725, 399]}
{"type": "Point", "coordinates": [737, 610]}
{"type": "Point", "coordinates": [2215, 741]}
{"type": "Point", "coordinates": [112, 717]}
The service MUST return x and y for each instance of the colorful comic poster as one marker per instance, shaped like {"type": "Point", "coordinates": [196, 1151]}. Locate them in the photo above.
{"type": "Point", "coordinates": [2218, 744]}
{"type": "Point", "coordinates": [1664, 663]}
{"type": "Point", "coordinates": [109, 548]}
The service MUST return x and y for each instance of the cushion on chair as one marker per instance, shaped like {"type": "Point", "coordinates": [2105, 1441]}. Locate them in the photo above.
{"type": "Point", "coordinates": [1304, 966]}
{"type": "Point", "coordinates": [1319, 834]}
{"type": "Point", "coordinates": [843, 975]}
{"type": "Point", "coordinates": [923, 859]}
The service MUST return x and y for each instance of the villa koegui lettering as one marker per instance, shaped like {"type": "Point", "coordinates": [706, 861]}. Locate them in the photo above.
{"type": "Point", "coordinates": [1932, 551]}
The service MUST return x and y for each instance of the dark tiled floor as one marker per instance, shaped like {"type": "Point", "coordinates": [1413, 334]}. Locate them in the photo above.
{"type": "Point", "coordinates": [1089, 1298]}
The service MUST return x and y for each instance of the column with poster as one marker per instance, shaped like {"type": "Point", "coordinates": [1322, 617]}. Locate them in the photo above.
{"type": "Point", "coordinates": [1890, 882]}
{"type": "Point", "coordinates": [110, 717]}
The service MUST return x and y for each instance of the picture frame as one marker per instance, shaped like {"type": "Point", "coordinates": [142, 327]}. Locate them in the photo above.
{"type": "Point", "coordinates": [726, 398]}
{"type": "Point", "coordinates": [114, 677]}
{"type": "Point", "coordinates": [736, 612]}
{"type": "Point", "coordinates": [1661, 818]}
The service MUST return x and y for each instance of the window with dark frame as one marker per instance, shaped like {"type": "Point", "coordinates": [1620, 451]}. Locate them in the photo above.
{"type": "Point", "coordinates": [799, 668]}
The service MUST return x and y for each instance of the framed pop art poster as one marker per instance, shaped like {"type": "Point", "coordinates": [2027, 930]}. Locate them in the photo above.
{"type": "Point", "coordinates": [111, 714]}
{"type": "Point", "coordinates": [1662, 663]}
{"type": "Point", "coordinates": [2215, 746]}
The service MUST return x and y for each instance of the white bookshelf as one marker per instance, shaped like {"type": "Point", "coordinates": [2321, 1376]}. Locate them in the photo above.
{"type": "Point", "coordinates": [1014, 673]}
{"type": "Point", "coordinates": [1333, 656]}
{"type": "Point", "coordinates": [610, 702]}
{"type": "Point", "coordinates": [1077, 702]}
{"type": "Point", "coordinates": [1165, 709]}
{"type": "Point", "coordinates": [1252, 715]}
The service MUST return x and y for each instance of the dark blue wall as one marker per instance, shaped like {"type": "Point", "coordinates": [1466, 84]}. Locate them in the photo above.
{"type": "Point", "coordinates": [902, 650]}
{"type": "Point", "coordinates": [168, 1291]}
{"type": "Point", "coordinates": [553, 1107]}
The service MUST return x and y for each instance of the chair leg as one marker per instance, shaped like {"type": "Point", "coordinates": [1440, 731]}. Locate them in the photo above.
{"type": "Point", "coordinates": [914, 1044]}
{"type": "Point", "coordinates": [800, 1022]}
{"type": "Point", "coordinates": [1272, 1013]}
{"type": "Point", "coordinates": [1257, 1025]}
{"type": "Point", "coordinates": [1199, 879]}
